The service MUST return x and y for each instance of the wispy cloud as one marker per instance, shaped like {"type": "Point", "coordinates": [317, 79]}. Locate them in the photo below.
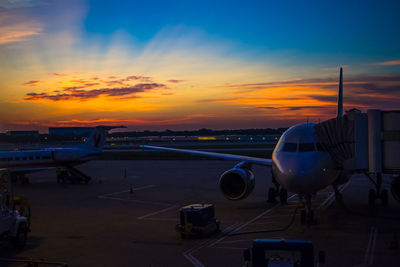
{"type": "Point", "coordinates": [175, 81]}
{"type": "Point", "coordinates": [18, 32]}
{"type": "Point", "coordinates": [389, 63]}
{"type": "Point", "coordinates": [31, 83]}
{"type": "Point", "coordinates": [74, 93]}
{"type": "Point", "coordinates": [21, 3]}
{"type": "Point", "coordinates": [58, 74]}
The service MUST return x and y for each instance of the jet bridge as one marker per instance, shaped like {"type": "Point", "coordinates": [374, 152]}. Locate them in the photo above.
{"type": "Point", "coordinates": [366, 143]}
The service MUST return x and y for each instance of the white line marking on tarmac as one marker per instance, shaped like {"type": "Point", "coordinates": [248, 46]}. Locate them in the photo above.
{"type": "Point", "coordinates": [369, 254]}
{"type": "Point", "coordinates": [125, 191]}
{"type": "Point", "coordinates": [109, 196]}
{"type": "Point", "coordinates": [136, 201]}
{"type": "Point", "coordinates": [157, 212]}
{"type": "Point", "coordinates": [327, 202]}
{"type": "Point", "coordinates": [188, 254]}
{"type": "Point", "coordinates": [249, 222]}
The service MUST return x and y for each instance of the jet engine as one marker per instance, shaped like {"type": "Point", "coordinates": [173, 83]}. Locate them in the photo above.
{"type": "Point", "coordinates": [395, 187]}
{"type": "Point", "coordinates": [237, 183]}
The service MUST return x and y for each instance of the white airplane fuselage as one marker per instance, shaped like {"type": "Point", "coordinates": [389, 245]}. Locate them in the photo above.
{"type": "Point", "coordinates": [51, 157]}
{"type": "Point", "coordinates": [300, 164]}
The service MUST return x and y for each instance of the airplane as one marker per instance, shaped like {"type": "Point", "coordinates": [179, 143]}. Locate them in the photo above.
{"type": "Point", "coordinates": [19, 163]}
{"type": "Point", "coordinates": [299, 163]}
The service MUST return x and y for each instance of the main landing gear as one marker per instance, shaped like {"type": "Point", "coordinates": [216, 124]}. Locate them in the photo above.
{"type": "Point", "coordinates": [307, 214]}
{"type": "Point", "coordinates": [277, 191]}
{"type": "Point", "coordinates": [378, 192]}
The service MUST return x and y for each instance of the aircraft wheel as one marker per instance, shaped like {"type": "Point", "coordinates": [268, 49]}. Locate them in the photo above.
{"type": "Point", "coordinates": [371, 197]}
{"type": "Point", "coordinates": [283, 196]}
{"type": "Point", "coordinates": [384, 197]}
{"type": "Point", "coordinates": [271, 195]}
{"type": "Point", "coordinates": [22, 236]}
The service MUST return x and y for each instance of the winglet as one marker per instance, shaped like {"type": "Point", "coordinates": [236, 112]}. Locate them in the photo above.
{"type": "Point", "coordinates": [340, 95]}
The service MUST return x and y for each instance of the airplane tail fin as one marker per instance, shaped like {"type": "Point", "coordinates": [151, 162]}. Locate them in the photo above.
{"type": "Point", "coordinates": [340, 95]}
{"type": "Point", "coordinates": [97, 138]}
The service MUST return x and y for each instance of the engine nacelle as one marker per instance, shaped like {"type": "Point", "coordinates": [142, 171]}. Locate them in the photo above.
{"type": "Point", "coordinates": [395, 187]}
{"type": "Point", "coordinates": [236, 183]}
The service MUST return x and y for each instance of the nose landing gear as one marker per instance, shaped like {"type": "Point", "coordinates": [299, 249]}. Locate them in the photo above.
{"type": "Point", "coordinates": [307, 214]}
{"type": "Point", "coordinates": [377, 193]}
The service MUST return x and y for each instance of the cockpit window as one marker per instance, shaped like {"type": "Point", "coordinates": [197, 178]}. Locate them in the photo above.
{"type": "Point", "coordinates": [306, 147]}
{"type": "Point", "coordinates": [289, 147]}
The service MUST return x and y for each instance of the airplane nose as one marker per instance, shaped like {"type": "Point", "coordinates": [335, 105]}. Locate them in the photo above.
{"type": "Point", "coordinates": [303, 175]}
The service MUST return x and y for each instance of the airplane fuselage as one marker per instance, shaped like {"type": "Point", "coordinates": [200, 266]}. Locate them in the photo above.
{"type": "Point", "coordinates": [14, 160]}
{"type": "Point", "coordinates": [300, 164]}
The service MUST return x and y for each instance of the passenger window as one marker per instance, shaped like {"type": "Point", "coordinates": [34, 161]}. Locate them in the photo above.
{"type": "Point", "coordinates": [320, 147]}
{"type": "Point", "coordinates": [289, 147]}
{"type": "Point", "coordinates": [306, 147]}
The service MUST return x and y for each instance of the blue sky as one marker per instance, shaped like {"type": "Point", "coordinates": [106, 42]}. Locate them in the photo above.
{"type": "Point", "coordinates": [193, 64]}
{"type": "Point", "coordinates": [358, 29]}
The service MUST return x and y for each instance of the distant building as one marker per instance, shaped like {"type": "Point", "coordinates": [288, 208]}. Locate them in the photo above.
{"type": "Point", "coordinates": [70, 131]}
{"type": "Point", "coordinates": [23, 133]}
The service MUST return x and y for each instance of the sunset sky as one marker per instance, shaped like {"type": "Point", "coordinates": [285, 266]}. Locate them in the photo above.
{"type": "Point", "coordinates": [156, 65]}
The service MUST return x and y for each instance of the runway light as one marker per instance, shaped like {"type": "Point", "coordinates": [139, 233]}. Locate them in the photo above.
{"type": "Point", "coordinates": [206, 138]}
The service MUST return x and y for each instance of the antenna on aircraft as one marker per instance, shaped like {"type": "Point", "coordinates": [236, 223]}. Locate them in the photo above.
{"type": "Point", "coordinates": [340, 95]}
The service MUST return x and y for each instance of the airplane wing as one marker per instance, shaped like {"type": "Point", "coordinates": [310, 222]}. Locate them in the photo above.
{"type": "Point", "coordinates": [258, 161]}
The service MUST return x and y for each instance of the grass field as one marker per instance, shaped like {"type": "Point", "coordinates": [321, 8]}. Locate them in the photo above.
{"type": "Point", "coordinates": [166, 155]}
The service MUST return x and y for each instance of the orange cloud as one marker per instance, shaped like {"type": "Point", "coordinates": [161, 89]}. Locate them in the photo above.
{"type": "Point", "coordinates": [74, 93]}
{"type": "Point", "coordinates": [388, 63]}
{"type": "Point", "coordinates": [31, 83]}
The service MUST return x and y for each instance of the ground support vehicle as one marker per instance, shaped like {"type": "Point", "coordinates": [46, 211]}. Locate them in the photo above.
{"type": "Point", "coordinates": [197, 220]}
{"type": "Point", "coordinates": [12, 225]}
{"type": "Point", "coordinates": [281, 253]}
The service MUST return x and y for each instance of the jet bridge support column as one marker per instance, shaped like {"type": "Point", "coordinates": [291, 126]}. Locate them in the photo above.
{"type": "Point", "coordinates": [375, 155]}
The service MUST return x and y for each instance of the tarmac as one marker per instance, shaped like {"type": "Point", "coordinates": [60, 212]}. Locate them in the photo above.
{"type": "Point", "coordinates": [105, 224]}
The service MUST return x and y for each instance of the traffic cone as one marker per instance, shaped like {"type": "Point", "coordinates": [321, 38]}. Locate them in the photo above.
{"type": "Point", "coordinates": [131, 189]}
{"type": "Point", "coordinates": [394, 244]}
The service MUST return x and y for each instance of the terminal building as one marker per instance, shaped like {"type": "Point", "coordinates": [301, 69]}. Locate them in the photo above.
{"type": "Point", "coordinates": [70, 131]}
{"type": "Point", "coordinates": [23, 133]}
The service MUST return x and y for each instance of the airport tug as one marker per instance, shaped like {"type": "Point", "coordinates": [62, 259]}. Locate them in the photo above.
{"type": "Point", "coordinates": [197, 220]}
